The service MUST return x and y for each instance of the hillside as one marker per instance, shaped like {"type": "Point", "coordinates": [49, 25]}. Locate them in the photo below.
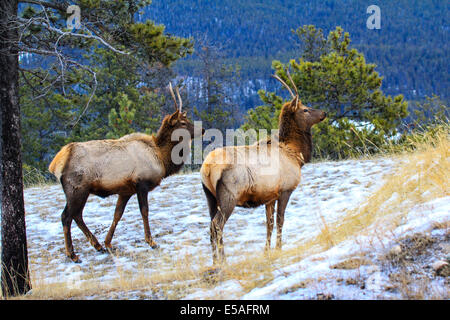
{"type": "Point", "coordinates": [411, 49]}
{"type": "Point", "coordinates": [356, 229]}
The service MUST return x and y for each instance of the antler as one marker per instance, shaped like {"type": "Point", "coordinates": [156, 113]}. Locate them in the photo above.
{"type": "Point", "coordinates": [284, 84]}
{"type": "Point", "coordinates": [292, 81]}
{"type": "Point", "coordinates": [179, 98]}
{"type": "Point", "coordinates": [173, 95]}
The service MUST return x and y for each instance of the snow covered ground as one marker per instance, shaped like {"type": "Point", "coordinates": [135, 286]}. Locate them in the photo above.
{"type": "Point", "coordinates": [374, 281]}
{"type": "Point", "coordinates": [179, 222]}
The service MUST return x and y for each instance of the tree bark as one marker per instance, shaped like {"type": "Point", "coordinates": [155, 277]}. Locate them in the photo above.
{"type": "Point", "coordinates": [15, 278]}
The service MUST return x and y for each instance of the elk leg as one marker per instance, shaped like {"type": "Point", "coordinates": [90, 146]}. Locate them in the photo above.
{"type": "Point", "coordinates": [67, 223]}
{"type": "Point", "coordinates": [120, 207]}
{"type": "Point", "coordinates": [91, 238]}
{"type": "Point", "coordinates": [270, 208]}
{"type": "Point", "coordinates": [281, 207]}
{"type": "Point", "coordinates": [217, 225]}
{"type": "Point", "coordinates": [226, 203]}
{"type": "Point", "coordinates": [142, 195]}
{"type": "Point", "coordinates": [212, 205]}
{"type": "Point", "coordinates": [213, 239]}
{"type": "Point", "coordinates": [212, 202]}
{"type": "Point", "coordinates": [74, 208]}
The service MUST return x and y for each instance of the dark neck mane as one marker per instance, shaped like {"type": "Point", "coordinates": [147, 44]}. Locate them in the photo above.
{"type": "Point", "coordinates": [294, 137]}
{"type": "Point", "coordinates": [165, 145]}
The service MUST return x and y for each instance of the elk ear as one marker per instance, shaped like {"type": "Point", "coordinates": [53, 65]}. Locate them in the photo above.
{"type": "Point", "coordinates": [184, 114]}
{"type": "Point", "coordinates": [174, 118]}
{"type": "Point", "coordinates": [295, 103]}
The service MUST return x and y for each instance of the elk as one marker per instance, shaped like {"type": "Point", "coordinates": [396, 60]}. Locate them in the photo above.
{"type": "Point", "coordinates": [231, 177]}
{"type": "Point", "coordinates": [133, 164]}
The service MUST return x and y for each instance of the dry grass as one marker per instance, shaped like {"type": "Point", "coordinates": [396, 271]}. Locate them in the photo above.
{"type": "Point", "coordinates": [422, 175]}
{"type": "Point", "coordinates": [33, 177]}
{"type": "Point", "coordinates": [352, 263]}
{"type": "Point", "coordinates": [187, 274]}
{"type": "Point", "coordinates": [157, 285]}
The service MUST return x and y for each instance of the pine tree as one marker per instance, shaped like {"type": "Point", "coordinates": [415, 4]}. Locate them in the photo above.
{"type": "Point", "coordinates": [431, 111]}
{"type": "Point", "coordinates": [45, 121]}
{"type": "Point", "coordinates": [120, 123]}
{"type": "Point", "coordinates": [119, 77]}
{"type": "Point", "coordinates": [214, 104]}
{"type": "Point", "coordinates": [340, 82]}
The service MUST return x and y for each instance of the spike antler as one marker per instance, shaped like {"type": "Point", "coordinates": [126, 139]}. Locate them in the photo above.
{"type": "Point", "coordinates": [173, 95]}
{"type": "Point", "coordinates": [284, 84]}
{"type": "Point", "coordinates": [179, 98]}
{"type": "Point", "coordinates": [292, 81]}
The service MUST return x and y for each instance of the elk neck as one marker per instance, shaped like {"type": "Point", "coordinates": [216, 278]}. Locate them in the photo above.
{"type": "Point", "coordinates": [165, 145]}
{"type": "Point", "coordinates": [298, 140]}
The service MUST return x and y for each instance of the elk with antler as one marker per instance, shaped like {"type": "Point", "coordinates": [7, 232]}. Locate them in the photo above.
{"type": "Point", "coordinates": [133, 164]}
{"type": "Point", "coordinates": [234, 176]}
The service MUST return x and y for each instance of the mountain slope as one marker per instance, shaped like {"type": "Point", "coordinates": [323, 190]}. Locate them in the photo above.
{"type": "Point", "coordinates": [411, 49]}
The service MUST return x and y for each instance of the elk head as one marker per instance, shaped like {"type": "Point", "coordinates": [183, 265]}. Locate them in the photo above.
{"type": "Point", "coordinates": [304, 117]}
{"type": "Point", "coordinates": [179, 119]}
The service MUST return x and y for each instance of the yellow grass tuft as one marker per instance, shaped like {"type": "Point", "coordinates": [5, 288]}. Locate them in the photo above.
{"type": "Point", "coordinates": [422, 174]}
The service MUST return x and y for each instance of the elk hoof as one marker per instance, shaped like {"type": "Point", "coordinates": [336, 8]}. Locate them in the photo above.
{"type": "Point", "coordinates": [152, 244]}
{"type": "Point", "coordinates": [75, 258]}
{"type": "Point", "coordinates": [99, 248]}
{"type": "Point", "coordinates": [102, 250]}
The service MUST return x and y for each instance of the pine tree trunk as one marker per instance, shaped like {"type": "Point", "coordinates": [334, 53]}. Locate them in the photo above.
{"type": "Point", "coordinates": [14, 268]}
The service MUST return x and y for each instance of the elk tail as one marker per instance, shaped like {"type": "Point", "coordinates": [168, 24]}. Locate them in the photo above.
{"type": "Point", "coordinates": [59, 162]}
{"type": "Point", "coordinates": [205, 170]}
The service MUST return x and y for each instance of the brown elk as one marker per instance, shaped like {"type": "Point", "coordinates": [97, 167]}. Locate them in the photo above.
{"type": "Point", "coordinates": [133, 164]}
{"type": "Point", "coordinates": [230, 178]}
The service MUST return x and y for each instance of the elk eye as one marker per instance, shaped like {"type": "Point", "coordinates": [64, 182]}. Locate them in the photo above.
{"type": "Point", "coordinates": [305, 110]}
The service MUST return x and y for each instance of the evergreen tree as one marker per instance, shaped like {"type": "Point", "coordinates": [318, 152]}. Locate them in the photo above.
{"type": "Point", "coordinates": [45, 120]}
{"type": "Point", "coordinates": [214, 104]}
{"type": "Point", "coordinates": [313, 45]}
{"type": "Point", "coordinates": [265, 116]}
{"type": "Point", "coordinates": [120, 123]}
{"type": "Point", "coordinates": [340, 82]}
{"type": "Point", "coordinates": [432, 110]}
{"type": "Point", "coordinates": [118, 77]}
